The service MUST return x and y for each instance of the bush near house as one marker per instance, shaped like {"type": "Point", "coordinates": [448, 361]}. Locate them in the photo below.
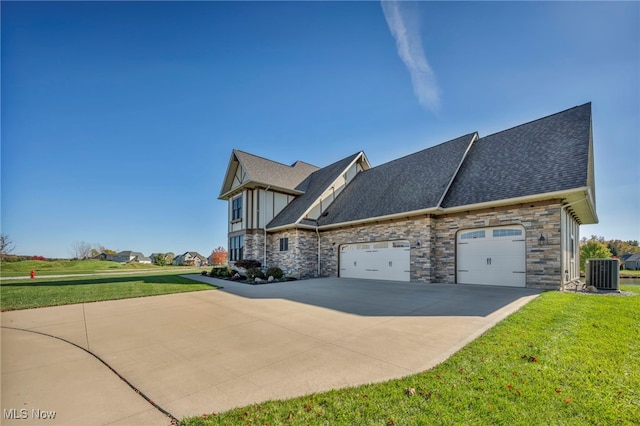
{"type": "Point", "coordinates": [275, 272]}
{"type": "Point", "coordinates": [248, 264]}
{"type": "Point", "coordinates": [254, 273]}
{"type": "Point", "coordinates": [220, 272]}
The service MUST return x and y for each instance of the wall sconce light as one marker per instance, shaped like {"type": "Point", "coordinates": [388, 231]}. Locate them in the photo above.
{"type": "Point", "coordinates": [542, 240]}
{"type": "Point", "coordinates": [418, 243]}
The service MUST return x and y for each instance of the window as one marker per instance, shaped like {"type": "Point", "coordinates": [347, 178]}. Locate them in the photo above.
{"type": "Point", "coordinates": [236, 246]}
{"type": "Point", "coordinates": [473, 234]}
{"type": "Point", "coordinates": [401, 244]}
{"type": "Point", "coordinates": [573, 248]}
{"type": "Point", "coordinates": [236, 208]}
{"type": "Point", "coordinates": [284, 244]}
{"type": "Point", "coordinates": [506, 232]}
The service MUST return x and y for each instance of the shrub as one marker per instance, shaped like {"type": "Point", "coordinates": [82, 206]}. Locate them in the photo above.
{"type": "Point", "coordinates": [275, 272]}
{"type": "Point", "coordinates": [255, 273]}
{"type": "Point", "coordinates": [204, 273]}
{"type": "Point", "coordinates": [220, 272]}
{"type": "Point", "coordinates": [248, 264]}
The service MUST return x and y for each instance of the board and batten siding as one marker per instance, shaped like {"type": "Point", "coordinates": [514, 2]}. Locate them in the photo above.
{"type": "Point", "coordinates": [333, 191]}
{"type": "Point", "coordinates": [570, 247]}
{"type": "Point", "coordinates": [259, 207]}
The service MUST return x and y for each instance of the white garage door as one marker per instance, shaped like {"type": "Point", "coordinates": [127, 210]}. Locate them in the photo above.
{"type": "Point", "coordinates": [493, 256]}
{"type": "Point", "coordinates": [386, 260]}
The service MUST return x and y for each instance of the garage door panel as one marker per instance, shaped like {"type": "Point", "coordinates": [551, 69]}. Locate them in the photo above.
{"type": "Point", "coordinates": [492, 256]}
{"type": "Point", "coordinates": [386, 260]}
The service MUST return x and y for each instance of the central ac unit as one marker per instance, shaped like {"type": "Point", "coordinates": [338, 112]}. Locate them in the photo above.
{"type": "Point", "coordinates": [603, 274]}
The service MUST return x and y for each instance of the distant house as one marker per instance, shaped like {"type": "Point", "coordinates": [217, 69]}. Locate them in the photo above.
{"type": "Point", "coordinates": [190, 258]}
{"type": "Point", "coordinates": [128, 256]}
{"type": "Point", "coordinates": [632, 262]}
{"type": "Point", "coordinates": [104, 256]}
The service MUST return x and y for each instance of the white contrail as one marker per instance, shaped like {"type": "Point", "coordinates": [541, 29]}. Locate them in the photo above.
{"type": "Point", "coordinates": [410, 51]}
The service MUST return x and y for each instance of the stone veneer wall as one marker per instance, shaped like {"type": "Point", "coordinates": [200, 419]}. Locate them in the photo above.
{"type": "Point", "coordinates": [434, 259]}
{"type": "Point", "coordinates": [542, 262]}
{"type": "Point", "coordinates": [301, 260]}
{"type": "Point", "coordinates": [254, 245]}
{"type": "Point", "coordinates": [413, 230]}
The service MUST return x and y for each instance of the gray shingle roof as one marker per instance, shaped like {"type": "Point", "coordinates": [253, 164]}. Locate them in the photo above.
{"type": "Point", "coordinates": [415, 182]}
{"type": "Point", "coordinates": [546, 155]}
{"type": "Point", "coordinates": [313, 186]}
{"type": "Point", "coordinates": [272, 173]}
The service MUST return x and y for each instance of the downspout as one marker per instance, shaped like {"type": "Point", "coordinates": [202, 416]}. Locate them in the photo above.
{"type": "Point", "coordinates": [264, 226]}
{"type": "Point", "coordinates": [318, 234]}
{"type": "Point", "coordinates": [564, 267]}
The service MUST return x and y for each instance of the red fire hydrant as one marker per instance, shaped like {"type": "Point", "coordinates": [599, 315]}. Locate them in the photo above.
{"type": "Point", "coordinates": [33, 274]}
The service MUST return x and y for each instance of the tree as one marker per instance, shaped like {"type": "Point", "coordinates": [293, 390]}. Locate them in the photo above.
{"type": "Point", "coordinates": [218, 256]}
{"type": "Point", "coordinates": [619, 248]}
{"type": "Point", "coordinates": [161, 259]}
{"type": "Point", "coordinates": [594, 248]}
{"type": "Point", "coordinates": [6, 245]}
{"type": "Point", "coordinates": [168, 258]}
{"type": "Point", "coordinates": [81, 250]}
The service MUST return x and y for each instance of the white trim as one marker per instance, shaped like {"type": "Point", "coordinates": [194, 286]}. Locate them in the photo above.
{"type": "Point", "coordinates": [442, 211]}
{"type": "Point", "coordinates": [319, 198]}
{"type": "Point", "coordinates": [474, 138]}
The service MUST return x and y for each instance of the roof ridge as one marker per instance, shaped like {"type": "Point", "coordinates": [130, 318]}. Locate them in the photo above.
{"type": "Point", "coordinates": [423, 150]}
{"type": "Point", "coordinates": [538, 119]}
{"type": "Point", "coordinates": [305, 163]}
{"type": "Point", "coordinates": [273, 161]}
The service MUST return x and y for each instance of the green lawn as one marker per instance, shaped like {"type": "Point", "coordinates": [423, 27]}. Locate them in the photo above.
{"type": "Point", "coordinates": [59, 267]}
{"type": "Point", "coordinates": [563, 359]}
{"type": "Point", "coordinates": [39, 292]}
{"type": "Point", "coordinates": [630, 273]}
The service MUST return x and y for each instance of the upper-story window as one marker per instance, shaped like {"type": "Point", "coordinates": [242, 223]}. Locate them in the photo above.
{"type": "Point", "coordinates": [236, 208]}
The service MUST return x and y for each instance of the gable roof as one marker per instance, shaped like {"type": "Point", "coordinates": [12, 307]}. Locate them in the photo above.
{"type": "Point", "coordinates": [548, 158]}
{"type": "Point", "coordinates": [314, 186]}
{"type": "Point", "coordinates": [263, 172]}
{"type": "Point", "coordinates": [548, 155]}
{"type": "Point", "coordinates": [409, 184]}
{"type": "Point", "coordinates": [196, 254]}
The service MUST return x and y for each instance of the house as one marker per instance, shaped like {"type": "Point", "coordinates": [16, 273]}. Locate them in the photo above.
{"type": "Point", "coordinates": [632, 262]}
{"type": "Point", "coordinates": [128, 256]}
{"type": "Point", "coordinates": [190, 258]}
{"type": "Point", "coordinates": [104, 256]}
{"type": "Point", "coordinates": [503, 209]}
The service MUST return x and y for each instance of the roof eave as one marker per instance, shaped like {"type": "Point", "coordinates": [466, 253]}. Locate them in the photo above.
{"type": "Point", "coordinates": [253, 185]}
{"type": "Point", "coordinates": [381, 218]}
{"type": "Point", "coordinates": [587, 216]}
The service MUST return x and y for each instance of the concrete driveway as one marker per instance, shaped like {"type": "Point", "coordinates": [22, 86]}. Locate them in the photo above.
{"type": "Point", "coordinates": [203, 352]}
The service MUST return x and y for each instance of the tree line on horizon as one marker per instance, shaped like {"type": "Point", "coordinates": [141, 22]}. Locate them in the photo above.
{"type": "Point", "coordinates": [82, 250]}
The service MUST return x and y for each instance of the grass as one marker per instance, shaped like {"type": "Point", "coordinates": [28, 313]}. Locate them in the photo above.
{"type": "Point", "coordinates": [40, 292]}
{"type": "Point", "coordinates": [563, 359]}
{"type": "Point", "coordinates": [629, 273]}
{"type": "Point", "coordinates": [58, 267]}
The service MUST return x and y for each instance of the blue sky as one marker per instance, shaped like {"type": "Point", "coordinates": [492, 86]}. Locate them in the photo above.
{"type": "Point", "coordinates": [118, 118]}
